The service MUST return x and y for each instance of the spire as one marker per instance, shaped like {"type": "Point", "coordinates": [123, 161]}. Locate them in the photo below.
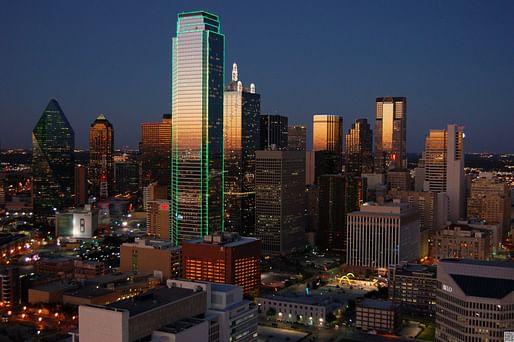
{"type": "Point", "coordinates": [101, 117]}
{"type": "Point", "coordinates": [252, 88]}
{"type": "Point", "coordinates": [234, 72]}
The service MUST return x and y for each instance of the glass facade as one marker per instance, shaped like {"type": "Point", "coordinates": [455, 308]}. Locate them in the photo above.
{"type": "Point", "coordinates": [197, 173]}
{"type": "Point", "coordinates": [359, 148]}
{"type": "Point", "coordinates": [53, 142]}
{"type": "Point", "coordinates": [390, 133]}
{"type": "Point", "coordinates": [273, 132]}
{"type": "Point", "coordinates": [101, 146]}
{"type": "Point", "coordinates": [241, 129]}
{"type": "Point", "coordinates": [327, 133]}
{"type": "Point", "coordinates": [297, 138]}
{"type": "Point", "coordinates": [155, 151]}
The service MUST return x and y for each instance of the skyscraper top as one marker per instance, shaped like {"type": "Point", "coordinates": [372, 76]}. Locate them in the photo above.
{"type": "Point", "coordinates": [234, 72]}
{"type": "Point", "coordinates": [101, 119]}
{"type": "Point", "coordinates": [197, 21]}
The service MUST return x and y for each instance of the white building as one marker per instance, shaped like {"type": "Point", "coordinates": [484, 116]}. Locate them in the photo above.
{"type": "Point", "coordinates": [381, 235]}
{"type": "Point", "coordinates": [474, 300]}
{"type": "Point", "coordinates": [77, 223]}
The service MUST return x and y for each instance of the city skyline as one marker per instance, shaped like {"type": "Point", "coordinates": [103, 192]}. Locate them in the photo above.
{"type": "Point", "coordinates": [439, 73]}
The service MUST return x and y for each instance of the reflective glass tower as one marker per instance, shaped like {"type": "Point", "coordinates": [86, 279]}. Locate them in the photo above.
{"type": "Point", "coordinates": [327, 133]}
{"type": "Point", "coordinates": [241, 127]}
{"type": "Point", "coordinates": [53, 142]}
{"type": "Point", "coordinates": [197, 127]}
{"type": "Point", "coordinates": [101, 147]}
{"type": "Point", "coordinates": [359, 148]}
{"type": "Point", "coordinates": [390, 133]}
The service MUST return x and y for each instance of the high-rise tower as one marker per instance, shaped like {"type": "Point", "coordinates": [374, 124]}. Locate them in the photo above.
{"type": "Point", "coordinates": [359, 148]}
{"type": "Point", "coordinates": [101, 147]}
{"type": "Point", "coordinates": [390, 133]}
{"type": "Point", "coordinates": [198, 54]}
{"type": "Point", "coordinates": [327, 133]}
{"type": "Point", "coordinates": [273, 131]}
{"type": "Point", "coordinates": [242, 107]}
{"type": "Point", "coordinates": [53, 142]}
{"type": "Point", "coordinates": [155, 151]}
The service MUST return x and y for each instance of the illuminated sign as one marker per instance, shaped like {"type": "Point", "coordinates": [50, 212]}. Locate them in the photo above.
{"type": "Point", "coordinates": [447, 288]}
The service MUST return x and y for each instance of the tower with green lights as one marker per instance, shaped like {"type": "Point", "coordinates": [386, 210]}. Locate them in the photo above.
{"type": "Point", "coordinates": [53, 142]}
{"type": "Point", "coordinates": [197, 180]}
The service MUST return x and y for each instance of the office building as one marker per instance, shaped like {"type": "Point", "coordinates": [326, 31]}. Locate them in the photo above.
{"type": "Point", "coordinates": [101, 148]}
{"type": "Point", "coordinates": [490, 200]}
{"type": "Point", "coordinates": [146, 256]}
{"type": "Point", "coordinates": [126, 177]}
{"type": "Point", "coordinates": [53, 142]}
{"type": "Point", "coordinates": [297, 138]}
{"type": "Point", "coordinates": [223, 258]}
{"type": "Point", "coordinates": [197, 203]}
{"type": "Point", "coordinates": [461, 241]}
{"type": "Point", "coordinates": [87, 269]}
{"type": "Point", "coordinates": [413, 288]}
{"type": "Point", "coordinates": [475, 300]}
{"type": "Point", "coordinates": [326, 163]}
{"type": "Point", "coordinates": [376, 315]}
{"type": "Point", "coordinates": [153, 192]}
{"type": "Point", "coordinates": [381, 235]}
{"type": "Point", "coordinates": [10, 285]}
{"type": "Point", "coordinates": [444, 167]}
{"type": "Point", "coordinates": [390, 133]}
{"type": "Point", "coordinates": [327, 133]}
{"type": "Point", "coordinates": [273, 131]}
{"type": "Point", "coordinates": [279, 200]}
{"type": "Point", "coordinates": [399, 179]}
{"type": "Point", "coordinates": [158, 219]}
{"type": "Point", "coordinates": [359, 148]}
{"type": "Point", "coordinates": [242, 107]}
{"type": "Point", "coordinates": [136, 319]}
{"type": "Point", "coordinates": [77, 223]}
{"type": "Point", "coordinates": [155, 149]}
{"type": "Point", "coordinates": [81, 188]}
{"type": "Point", "coordinates": [310, 167]}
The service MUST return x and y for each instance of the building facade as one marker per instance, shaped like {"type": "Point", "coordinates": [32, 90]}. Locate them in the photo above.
{"type": "Point", "coordinates": [53, 142]}
{"type": "Point", "coordinates": [155, 149]}
{"type": "Point", "coordinates": [381, 235]}
{"type": "Point", "coordinates": [327, 133]}
{"type": "Point", "coordinates": [101, 149]}
{"type": "Point", "coordinates": [224, 258]}
{"type": "Point", "coordinates": [461, 241]}
{"type": "Point", "coordinates": [390, 133]}
{"type": "Point", "coordinates": [273, 131]}
{"type": "Point", "coordinates": [359, 148]}
{"type": "Point", "coordinates": [475, 301]}
{"type": "Point", "coordinates": [198, 57]}
{"type": "Point", "coordinates": [377, 315]}
{"type": "Point", "coordinates": [242, 107]}
{"type": "Point", "coordinates": [279, 200]}
{"type": "Point", "coordinates": [297, 138]}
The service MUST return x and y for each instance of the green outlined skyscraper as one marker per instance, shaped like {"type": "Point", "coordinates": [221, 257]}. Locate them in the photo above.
{"type": "Point", "coordinates": [198, 58]}
{"type": "Point", "coordinates": [53, 142]}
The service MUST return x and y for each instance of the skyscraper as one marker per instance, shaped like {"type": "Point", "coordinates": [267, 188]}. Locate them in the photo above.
{"type": "Point", "coordinates": [101, 147]}
{"type": "Point", "coordinates": [297, 138]}
{"type": "Point", "coordinates": [242, 107]}
{"type": "Point", "coordinates": [444, 167]}
{"type": "Point", "coordinates": [53, 142]}
{"type": "Point", "coordinates": [273, 130]}
{"type": "Point", "coordinates": [390, 133]}
{"type": "Point", "coordinates": [327, 133]}
{"type": "Point", "coordinates": [359, 148]}
{"type": "Point", "coordinates": [80, 187]}
{"type": "Point", "coordinates": [279, 200]}
{"type": "Point", "coordinates": [155, 149]}
{"type": "Point", "coordinates": [197, 173]}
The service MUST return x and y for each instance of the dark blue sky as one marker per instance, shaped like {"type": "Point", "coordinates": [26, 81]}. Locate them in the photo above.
{"type": "Point", "coordinates": [454, 60]}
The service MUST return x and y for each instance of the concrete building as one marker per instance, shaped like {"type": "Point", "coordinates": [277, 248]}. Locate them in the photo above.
{"type": "Point", "coordinates": [297, 138]}
{"type": "Point", "coordinates": [80, 186]}
{"type": "Point", "coordinates": [279, 205]}
{"type": "Point", "coordinates": [151, 256]}
{"type": "Point", "coordinates": [413, 288]}
{"type": "Point", "coordinates": [158, 219]}
{"type": "Point", "coordinates": [444, 167]}
{"type": "Point", "coordinates": [77, 223]}
{"type": "Point", "coordinates": [461, 241]}
{"type": "Point", "coordinates": [10, 286]}
{"type": "Point", "coordinates": [381, 235]}
{"type": "Point", "coordinates": [378, 315]}
{"type": "Point", "coordinates": [490, 200]}
{"type": "Point", "coordinates": [87, 269]}
{"type": "Point", "coordinates": [185, 330]}
{"type": "Point", "coordinates": [223, 258]}
{"type": "Point", "coordinates": [475, 300]}
{"type": "Point", "coordinates": [399, 179]}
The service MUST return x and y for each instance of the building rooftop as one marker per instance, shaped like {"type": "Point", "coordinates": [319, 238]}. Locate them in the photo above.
{"type": "Point", "coordinates": [485, 287]}
{"type": "Point", "coordinates": [181, 325]}
{"type": "Point", "coordinates": [318, 300]}
{"type": "Point", "coordinates": [506, 264]}
{"type": "Point", "coordinates": [413, 269]}
{"type": "Point", "coordinates": [225, 239]}
{"type": "Point", "coordinates": [385, 209]}
{"type": "Point", "coordinates": [55, 286]}
{"type": "Point", "coordinates": [88, 292]}
{"type": "Point", "coordinates": [377, 304]}
{"type": "Point", "coordinates": [151, 300]}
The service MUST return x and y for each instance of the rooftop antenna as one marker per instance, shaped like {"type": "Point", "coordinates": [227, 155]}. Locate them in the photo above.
{"type": "Point", "coordinates": [234, 72]}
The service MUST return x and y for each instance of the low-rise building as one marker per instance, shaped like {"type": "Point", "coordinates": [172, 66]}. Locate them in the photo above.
{"type": "Point", "coordinates": [413, 288]}
{"type": "Point", "coordinates": [150, 256]}
{"type": "Point", "coordinates": [87, 269]}
{"type": "Point", "coordinates": [10, 286]}
{"type": "Point", "coordinates": [378, 315]}
{"type": "Point", "coordinates": [59, 266]}
{"type": "Point", "coordinates": [462, 242]}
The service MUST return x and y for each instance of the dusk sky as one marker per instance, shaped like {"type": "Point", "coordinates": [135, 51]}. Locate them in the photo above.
{"type": "Point", "coordinates": [453, 60]}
